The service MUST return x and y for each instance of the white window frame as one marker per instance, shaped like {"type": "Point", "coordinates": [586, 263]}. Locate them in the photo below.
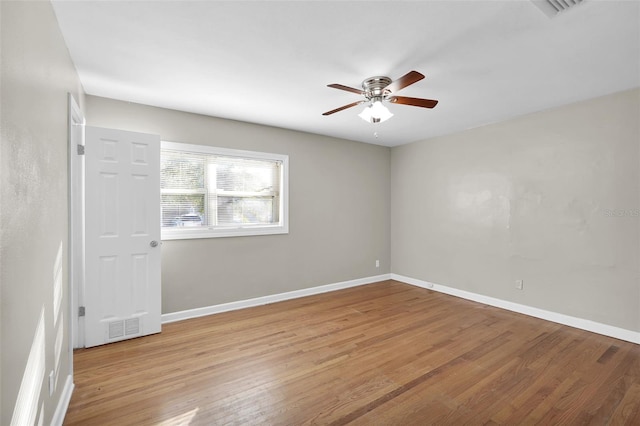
{"type": "Point", "coordinates": [237, 230]}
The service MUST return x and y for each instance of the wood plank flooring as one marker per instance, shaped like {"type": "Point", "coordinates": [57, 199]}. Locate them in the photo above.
{"type": "Point", "coordinates": [381, 354]}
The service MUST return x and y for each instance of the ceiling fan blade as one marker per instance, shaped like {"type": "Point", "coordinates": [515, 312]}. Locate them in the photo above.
{"type": "Point", "coordinates": [347, 88]}
{"type": "Point", "coordinates": [419, 102]}
{"type": "Point", "coordinates": [343, 107]}
{"type": "Point", "coordinates": [404, 81]}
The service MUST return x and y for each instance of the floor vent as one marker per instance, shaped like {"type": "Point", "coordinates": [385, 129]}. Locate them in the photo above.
{"type": "Point", "coordinates": [552, 7]}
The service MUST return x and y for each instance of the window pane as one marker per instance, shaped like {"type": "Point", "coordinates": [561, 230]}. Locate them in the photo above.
{"type": "Point", "coordinates": [247, 175]}
{"type": "Point", "coordinates": [182, 170]}
{"type": "Point", "coordinates": [210, 192]}
{"type": "Point", "coordinates": [245, 210]}
{"type": "Point", "coordinates": [183, 210]}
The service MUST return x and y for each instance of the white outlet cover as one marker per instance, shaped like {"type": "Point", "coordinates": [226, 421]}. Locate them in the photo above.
{"type": "Point", "coordinates": [52, 383]}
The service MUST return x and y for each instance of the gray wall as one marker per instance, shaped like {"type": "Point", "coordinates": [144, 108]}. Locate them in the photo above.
{"type": "Point", "coordinates": [36, 74]}
{"type": "Point", "coordinates": [339, 211]}
{"type": "Point", "coordinates": [551, 198]}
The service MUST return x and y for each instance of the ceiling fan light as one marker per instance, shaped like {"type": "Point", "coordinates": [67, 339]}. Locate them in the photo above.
{"type": "Point", "coordinates": [375, 113]}
{"type": "Point", "coordinates": [366, 114]}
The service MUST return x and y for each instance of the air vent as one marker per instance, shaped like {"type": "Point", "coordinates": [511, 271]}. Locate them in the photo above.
{"type": "Point", "coordinates": [132, 326]}
{"type": "Point", "coordinates": [121, 328]}
{"type": "Point", "coordinates": [552, 7]}
{"type": "Point", "coordinates": [116, 329]}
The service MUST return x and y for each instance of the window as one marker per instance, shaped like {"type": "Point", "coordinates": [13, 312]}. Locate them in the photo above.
{"type": "Point", "coordinates": [214, 192]}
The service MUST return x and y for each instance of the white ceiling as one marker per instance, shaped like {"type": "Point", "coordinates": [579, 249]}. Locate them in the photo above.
{"type": "Point", "coordinates": [269, 62]}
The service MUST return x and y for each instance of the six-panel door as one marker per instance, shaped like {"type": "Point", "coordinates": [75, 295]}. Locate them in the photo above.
{"type": "Point", "coordinates": [122, 211]}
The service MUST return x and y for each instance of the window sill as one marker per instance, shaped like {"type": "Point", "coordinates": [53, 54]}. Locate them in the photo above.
{"type": "Point", "coordinates": [192, 233]}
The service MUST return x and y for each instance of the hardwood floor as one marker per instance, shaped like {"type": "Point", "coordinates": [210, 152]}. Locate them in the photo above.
{"type": "Point", "coordinates": [381, 354]}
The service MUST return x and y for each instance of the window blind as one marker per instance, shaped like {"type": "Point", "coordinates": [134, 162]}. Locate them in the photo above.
{"type": "Point", "coordinates": [210, 190]}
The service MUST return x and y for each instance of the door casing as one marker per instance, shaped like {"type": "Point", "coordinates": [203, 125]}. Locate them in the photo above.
{"type": "Point", "coordinates": [76, 222]}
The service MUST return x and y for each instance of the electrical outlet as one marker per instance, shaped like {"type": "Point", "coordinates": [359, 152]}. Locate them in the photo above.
{"type": "Point", "coordinates": [377, 263]}
{"type": "Point", "coordinates": [519, 284]}
{"type": "Point", "coordinates": [52, 383]}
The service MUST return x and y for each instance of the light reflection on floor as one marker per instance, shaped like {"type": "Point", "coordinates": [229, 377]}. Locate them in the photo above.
{"type": "Point", "coordinates": [183, 419]}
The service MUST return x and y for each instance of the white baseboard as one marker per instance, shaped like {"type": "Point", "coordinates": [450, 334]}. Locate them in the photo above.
{"type": "Point", "coordinates": [63, 403]}
{"type": "Point", "coordinates": [264, 300]}
{"type": "Point", "coordinates": [583, 324]}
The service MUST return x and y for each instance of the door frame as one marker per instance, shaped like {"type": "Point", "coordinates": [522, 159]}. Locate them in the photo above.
{"type": "Point", "coordinates": [76, 224]}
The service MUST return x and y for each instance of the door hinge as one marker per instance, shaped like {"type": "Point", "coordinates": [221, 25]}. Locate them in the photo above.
{"type": "Point", "coordinates": [81, 311]}
{"type": "Point", "coordinates": [80, 149]}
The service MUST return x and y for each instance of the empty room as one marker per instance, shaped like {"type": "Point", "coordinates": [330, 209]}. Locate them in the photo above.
{"type": "Point", "coordinates": [320, 212]}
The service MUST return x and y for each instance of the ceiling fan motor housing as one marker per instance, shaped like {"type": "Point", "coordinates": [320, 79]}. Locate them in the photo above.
{"type": "Point", "coordinates": [374, 87]}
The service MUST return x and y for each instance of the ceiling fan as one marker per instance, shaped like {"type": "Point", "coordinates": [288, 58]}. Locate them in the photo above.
{"type": "Point", "coordinates": [381, 89]}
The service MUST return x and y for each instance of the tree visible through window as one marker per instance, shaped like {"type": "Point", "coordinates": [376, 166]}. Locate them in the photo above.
{"type": "Point", "coordinates": [221, 192]}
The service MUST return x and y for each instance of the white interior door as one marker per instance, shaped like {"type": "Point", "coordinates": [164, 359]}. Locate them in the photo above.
{"type": "Point", "coordinates": [122, 235]}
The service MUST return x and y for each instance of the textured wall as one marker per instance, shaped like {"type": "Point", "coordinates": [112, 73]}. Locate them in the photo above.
{"type": "Point", "coordinates": [551, 198]}
{"type": "Point", "coordinates": [338, 210]}
{"type": "Point", "coordinates": [36, 76]}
